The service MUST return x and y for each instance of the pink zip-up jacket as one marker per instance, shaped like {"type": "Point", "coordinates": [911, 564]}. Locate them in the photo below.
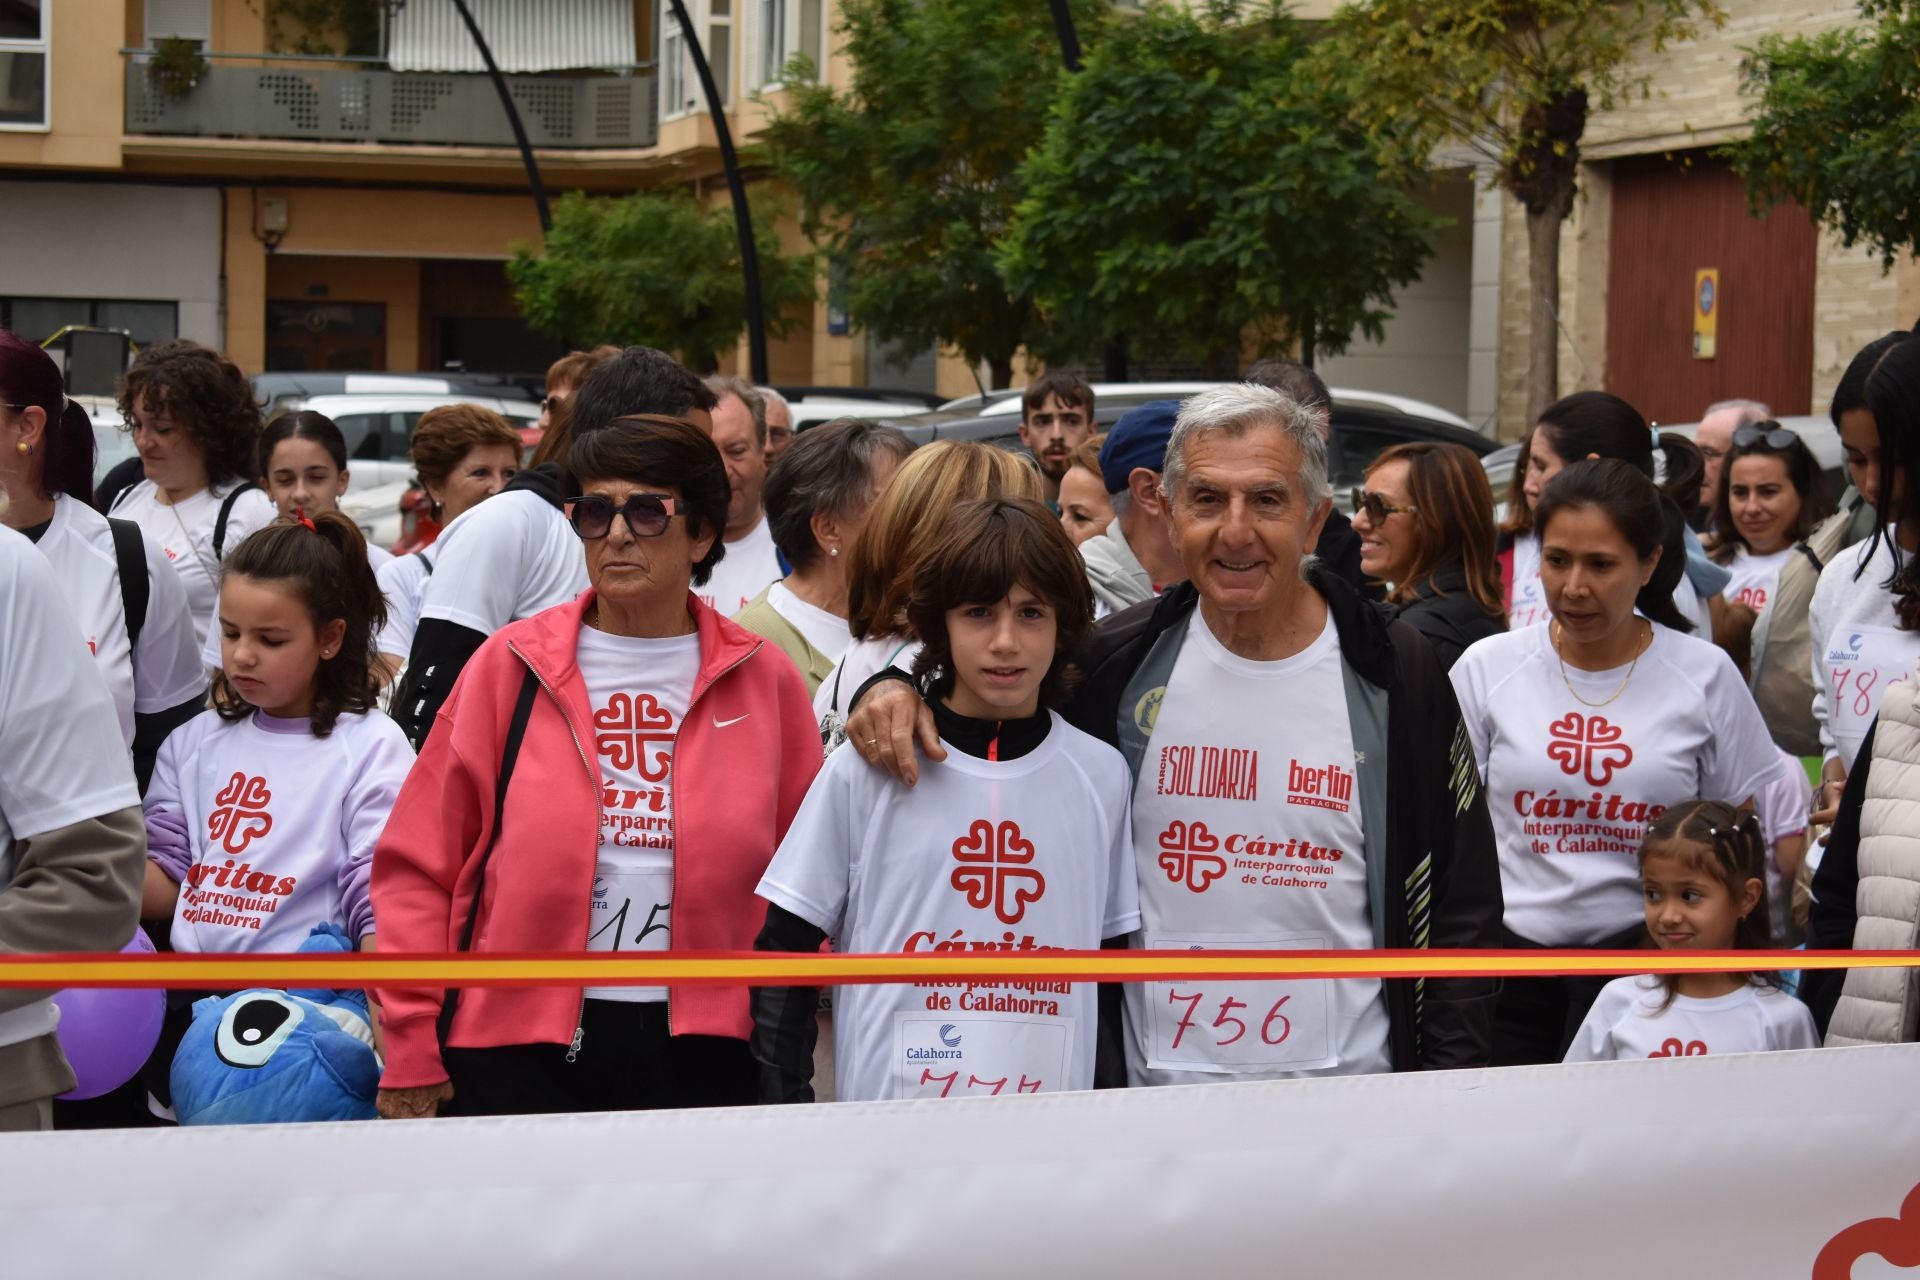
{"type": "Point", "coordinates": [743, 759]}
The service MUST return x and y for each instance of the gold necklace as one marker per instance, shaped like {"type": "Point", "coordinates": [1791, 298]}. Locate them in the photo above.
{"type": "Point", "coordinates": [1553, 633]}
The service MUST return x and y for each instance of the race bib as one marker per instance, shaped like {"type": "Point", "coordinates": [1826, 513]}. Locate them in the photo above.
{"type": "Point", "coordinates": [965, 1057]}
{"type": "Point", "coordinates": [1861, 662]}
{"type": "Point", "coordinates": [631, 911]}
{"type": "Point", "coordinates": [1229, 1026]}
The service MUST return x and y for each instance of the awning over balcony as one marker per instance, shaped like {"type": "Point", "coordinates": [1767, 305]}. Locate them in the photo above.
{"type": "Point", "coordinates": [525, 35]}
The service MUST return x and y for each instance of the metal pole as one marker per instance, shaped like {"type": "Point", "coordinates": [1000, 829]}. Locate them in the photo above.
{"type": "Point", "coordinates": [742, 216]}
{"type": "Point", "coordinates": [1069, 38]}
{"type": "Point", "coordinates": [513, 117]}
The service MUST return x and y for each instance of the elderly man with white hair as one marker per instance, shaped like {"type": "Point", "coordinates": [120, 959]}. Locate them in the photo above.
{"type": "Point", "coordinates": [1303, 780]}
{"type": "Point", "coordinates": [1715, 438]}
{"type": "Point", "coordinates": [779, 424]}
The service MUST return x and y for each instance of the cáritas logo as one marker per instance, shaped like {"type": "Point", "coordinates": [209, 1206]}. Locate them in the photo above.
{"type": "Point", "coordinates": [626, 727]}
{"type": "Point", "coordinates": [240, 814]}
{"type": "Point", "coordinates": [994, 869]}
{"type": "Point", "coordinates": [1189, 855]}
{"type": "Point", "coordinates": [1588, 746]}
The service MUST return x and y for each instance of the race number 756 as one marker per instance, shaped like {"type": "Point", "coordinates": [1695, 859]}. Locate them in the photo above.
{"type": "Point", "coordinates": [1227, 1027]}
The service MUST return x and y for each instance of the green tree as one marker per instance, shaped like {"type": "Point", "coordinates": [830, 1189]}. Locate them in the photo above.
{"type": "Point", "coordinates": [1835, 123]}
{"type": "Point", "coordinates": [656, 268]}
{"type": "Point", "coordinates": [1513, 80]}
{"type": "Point", "coordinates": [1199, 184]}
{"type": "Point", "coordinates": [910, 176]}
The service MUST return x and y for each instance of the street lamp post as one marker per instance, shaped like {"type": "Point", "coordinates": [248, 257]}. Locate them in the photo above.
{"type": "Point", "coordinates": [513, 117]}
{"type": "Point", "coordinates": [737, 186]}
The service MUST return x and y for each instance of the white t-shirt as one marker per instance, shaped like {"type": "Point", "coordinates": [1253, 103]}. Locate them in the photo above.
{"type": "Point", "coordinates": [1248, 836]}
{"type": "Point", "coordinates": [1572, 786]}
{"type": "Point", "coordinates": [639, 689]}
{"type": "Point", "coordinates": [505, 559]}
{"type": "Point", "coordinates": [1754, 578]}
{"type": "Point", "coordinates": [825, 631]}
{"type": "Point", "coordinates": [1530, 594]}
{"type": "Point", "coordinates": [210, 651]}
{"type": "Point", "coordinates": [403, 580]}
{"type": "Point", "coordinates": [1018, 855]}
{"type": "Point", "coordinates": [1782, 805]}
{"type": "Point", "coordinates": [165, 671]}
{"type": "Point", "coordinates": [62, 759]}
{"type": "Point", "coordinates": [743, 572]}
{"type": "Point", "coordinates": [1627, 1022]}
{"type": "Point", "coordinates": [184, 532]}
{"type": "Point", "coordinates": [858, 664]}
{"type": "Point", "coordinates": [1858, 646]}
{"type": "Point", "coordinates": [270, 830]}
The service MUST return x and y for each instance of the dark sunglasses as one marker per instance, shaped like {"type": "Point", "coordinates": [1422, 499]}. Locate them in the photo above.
{"type": "Point", "coordinates": [646, 515]}
{"type": "Point", "coordinates": [1377, 507]}
{"type": "Point", "coordinates": [1776, 436]}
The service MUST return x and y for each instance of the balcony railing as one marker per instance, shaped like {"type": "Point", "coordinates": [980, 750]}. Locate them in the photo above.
{"type": "Point", "coordinates": [367, 104]}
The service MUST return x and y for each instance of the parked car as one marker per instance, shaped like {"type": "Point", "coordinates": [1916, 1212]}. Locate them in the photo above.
{"type": "Point", "coordinates": [112, 442]}
{"type": "Point", "coordinates": [275, 390]}
{"type": "Point", "coordinates": [379, 430]}
{"type": "Point", "coordinates": [1818, 433]}
{"type": "Point", "coordinates": [1364, 422]}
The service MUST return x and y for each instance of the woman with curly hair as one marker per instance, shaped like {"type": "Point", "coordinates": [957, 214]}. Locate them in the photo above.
{"type": "Point", "coordinates": [193, 418]}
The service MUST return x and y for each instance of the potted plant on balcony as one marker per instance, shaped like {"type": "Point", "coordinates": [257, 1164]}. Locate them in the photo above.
{"type": "Point", "coordinates": [176, 66]}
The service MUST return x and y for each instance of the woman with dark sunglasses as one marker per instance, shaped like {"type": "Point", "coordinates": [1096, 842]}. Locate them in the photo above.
{"type": "Point", "coordinates": [612, 774]}
{"type": "Point", "coordinates": [1425, 520]}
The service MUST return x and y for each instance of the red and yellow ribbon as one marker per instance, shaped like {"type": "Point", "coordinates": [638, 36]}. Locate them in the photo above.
{"type": "Point", "coordinates": [202, 972]}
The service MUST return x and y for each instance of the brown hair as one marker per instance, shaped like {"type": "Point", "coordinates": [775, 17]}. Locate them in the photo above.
{"type": "Point", "coordinates": [1803, 473]}
{"type": "Point", "coordinates": [571, 369]}
{"type": "Point", "coordinates": [1070, 388]}
{"type": "Point", "coordinates": [1086, 456]}
{"type": "Point", "coordinates": [982, 551]}
{"type": "Point", "coordinates": [905, 519]}
{"type": "Point", "coordinates": [206, 396]}
{"type": "Point", "coordinates": [443, 436]}
{"type": "Point", "coordinates": [327, 565]}
{"type": "Point", "coordinates": [1452, 520]}
{"type": "Point", "coordinates": [1729, 844]}
{"type": "Point", "coordinates": [671, 453]}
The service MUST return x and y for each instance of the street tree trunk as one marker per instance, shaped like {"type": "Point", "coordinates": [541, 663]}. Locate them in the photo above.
{"type": "Point", "coordinates": [1000, 371]}
{"type": "Point", "coordinates": [1543, 293]}
{"type": "Point", "coordinates": [1544, 176]}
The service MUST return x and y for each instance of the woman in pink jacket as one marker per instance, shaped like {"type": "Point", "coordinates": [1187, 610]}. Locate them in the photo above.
{"type": "Point", "coordinates": [653, 754]}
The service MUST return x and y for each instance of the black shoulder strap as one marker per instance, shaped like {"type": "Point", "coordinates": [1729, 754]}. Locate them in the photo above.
{"type": "Point", "coordinates": [516, 730]}
{"type": "Point", "coordinates": [426, 562]}
{"type": "Point", "coordinates": [226, 510]}
{"type": "Point", "coordinates": [131, 555]}
{"type": "Point", "coordinates": [1813, 557]}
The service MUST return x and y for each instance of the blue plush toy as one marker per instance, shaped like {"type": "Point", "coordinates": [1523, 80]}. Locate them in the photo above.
{"type": "Point", "coordinates": [278, 1057]}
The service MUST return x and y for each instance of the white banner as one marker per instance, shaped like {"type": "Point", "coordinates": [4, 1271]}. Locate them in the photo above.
{"type": "Point", "coordinates": [1712, 1168]}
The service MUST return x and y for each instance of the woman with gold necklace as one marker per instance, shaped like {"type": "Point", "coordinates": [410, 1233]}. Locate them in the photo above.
{"type": "Point", "coordinates": [1586, 729]}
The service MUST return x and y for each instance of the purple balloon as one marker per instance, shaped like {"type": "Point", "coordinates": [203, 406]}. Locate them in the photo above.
{"type": "Point", "coordinates": [108, 1033]}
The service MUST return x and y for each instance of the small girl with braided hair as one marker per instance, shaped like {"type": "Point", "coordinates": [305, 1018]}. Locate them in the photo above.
{"type": "Point", "coordinates": [1703, 874]}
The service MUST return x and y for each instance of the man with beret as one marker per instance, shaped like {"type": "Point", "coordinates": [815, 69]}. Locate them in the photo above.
{"type": "Point", "coordinates": [1134, 559]}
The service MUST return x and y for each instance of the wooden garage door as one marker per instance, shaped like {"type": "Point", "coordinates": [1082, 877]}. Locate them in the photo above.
{"type": "Point", "coordinates": [1673, 216]}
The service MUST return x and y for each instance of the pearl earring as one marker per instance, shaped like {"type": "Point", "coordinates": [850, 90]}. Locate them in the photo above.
{"type": "Point", "coordinates": [24, 449]}
{"type": "Point", "coordinates": [833, 551]}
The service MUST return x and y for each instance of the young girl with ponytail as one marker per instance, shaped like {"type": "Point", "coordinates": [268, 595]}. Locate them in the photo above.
{"type": "Point", "coordinates": [263, 812]}
{"type": "Point", "coordinates": [1587, 728]}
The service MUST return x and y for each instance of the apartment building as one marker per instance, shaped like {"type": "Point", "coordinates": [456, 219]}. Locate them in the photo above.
{"type": "Point", "coordinates": [183, 168]}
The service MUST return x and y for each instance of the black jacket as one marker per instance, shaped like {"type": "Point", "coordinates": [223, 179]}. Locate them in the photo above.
{"type": "Point", "coordinates": [441, 648]}
{"type": "Point", "coordinates": [1442, 873]}
{"type": "Point", "coordinates": [1450, 622]}
{"type": "Point", "coordinates": [1836, 883]}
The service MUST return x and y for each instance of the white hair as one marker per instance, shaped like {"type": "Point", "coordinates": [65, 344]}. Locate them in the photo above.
{"type": "Point", "coordinates": [1236, 409]}
{"type": "Point", "coordinates": [1750, 411]}
{"type": "Point", "coordinates": [773, 397]}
